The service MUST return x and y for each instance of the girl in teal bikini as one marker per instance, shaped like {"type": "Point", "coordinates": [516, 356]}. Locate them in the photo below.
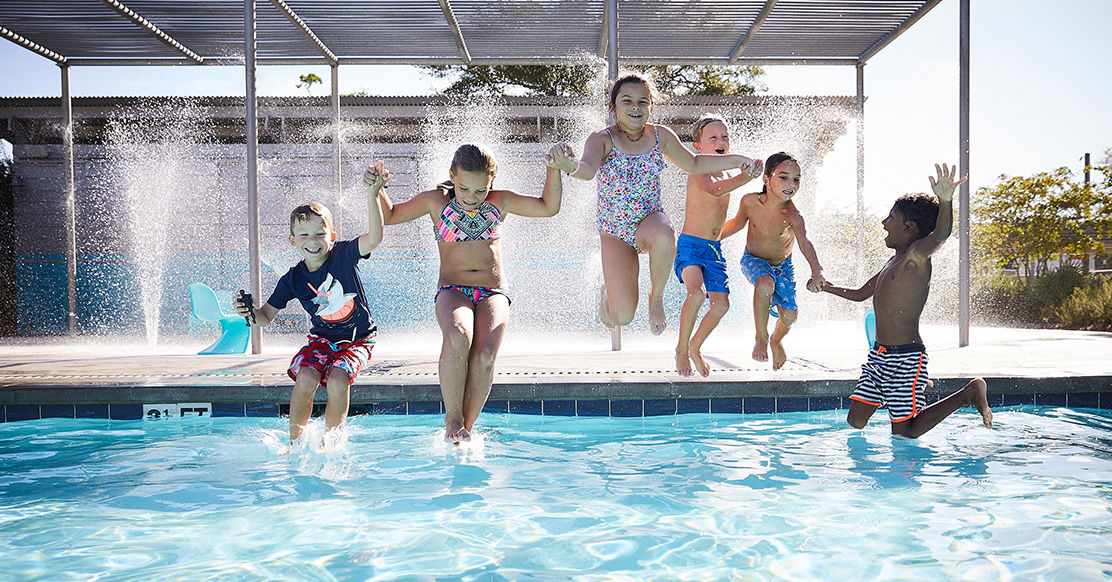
{"type": "Point", "coordinates": [626, 160]}
{"type": "Point", "coordinates": [472, 306]}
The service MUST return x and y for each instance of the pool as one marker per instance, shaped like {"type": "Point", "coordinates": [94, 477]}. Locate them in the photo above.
{"type": "Point", "coordinates": [794, 496]}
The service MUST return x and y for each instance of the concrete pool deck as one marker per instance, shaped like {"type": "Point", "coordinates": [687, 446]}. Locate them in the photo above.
{"type": "Point", "coordinates": [1022, 366]}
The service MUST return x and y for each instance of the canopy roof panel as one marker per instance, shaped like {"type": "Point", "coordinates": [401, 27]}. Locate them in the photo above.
{"type": "Point", "coordinates": [211, 32]}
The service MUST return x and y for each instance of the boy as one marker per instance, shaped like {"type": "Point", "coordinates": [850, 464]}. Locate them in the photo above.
{"type": "Point", "coordinates": [896, 371]}
{"type": "Point", "coordinates": [327, 284]}
{"type": "Point", "coordinates": [699, 264]}
{"type": "Point", "coordinates": [775, 226]}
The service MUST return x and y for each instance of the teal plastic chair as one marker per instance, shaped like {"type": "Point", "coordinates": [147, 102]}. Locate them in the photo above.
{"type": "Point", "coordinates": [870, 327]}
{"type": "Point", "coordinates": [235, 334]}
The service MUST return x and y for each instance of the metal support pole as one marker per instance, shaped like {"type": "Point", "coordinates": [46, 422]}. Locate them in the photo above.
{"type": "Point", "coordinates": [337, 139]}
{"type": "Point", "coordinates": [71, 202]}
{"type": "Point", "coordinates": [612, 75]}
{"type": "Point", "coordinates": [963, 162]}
{"type": "Point", "coordinates": [252, 121]}
{"type": "Point", "coordinates": [860, 230]}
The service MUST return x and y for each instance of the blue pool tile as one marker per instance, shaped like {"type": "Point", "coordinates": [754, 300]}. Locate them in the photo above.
{"type": "Point", "coordinates": [426, 407]}
{"type": "Point", "coordinates": [497, 406]}
{"type": "Point", "coordinates": [824, 403]}
{"type": "Point", "coordinates": [592, 407]}
{"type": "Point", "coordinates": [229, 409]}
{"type": "Point", "coordinates": [388, 408]}
{"type": "Point", "coordinates": [758, 405]}
{"type": "Point", "coordinates": [558, 407]}
{"type": "Point", "coordinates": [1082, 400]}
{"type": "Point", "coordinates": [359, 409]}
{"type": "Point", "coordinates": [318, 409]}
{"type": "Point", "coordinates": [56, 411]}
{"type": "Point", "coordinates": [1050, 399]}
{"type": "Point", "coordinates": [90, 411]}
{"type": "Point", "coordinates": [791, 404]}
{"type": "Point", "coordinates": [263, 409]}
{"type": "Point", "coordinates": [125, 411]}
{"type": "Point", "coordinates": [726, 405]}
{"type": "Point", "coordinates": [22, 412]}
{"type": "Point", "coordinates": [627, 408]}
{"type": "Point", "coordinates": [1017, 399]}
{"type": "Point", "coordinates": [692, 405]}
{"type": "Point", "coordinates": [525, 406]}
{"type": "Point", "coordinates": [1105, 400]}
{"type": "Point", "coordinates": [660, 406]}
{"type": "Point", "coordinates": [284, 410]}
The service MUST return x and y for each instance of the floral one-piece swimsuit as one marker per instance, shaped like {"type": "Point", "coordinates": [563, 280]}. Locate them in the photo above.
{"type": "Point", "coordinates": [628, 190]}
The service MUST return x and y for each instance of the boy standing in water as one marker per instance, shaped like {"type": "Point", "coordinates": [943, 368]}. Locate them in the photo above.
{"type": "Point", "coordinates": [326, 282]}
{"type": "Point", "coordinates": [699, 264]}
{"type": "Point", "coordinates": [896, 371]}
{"type": "Point", "coordinates": [775, 226]}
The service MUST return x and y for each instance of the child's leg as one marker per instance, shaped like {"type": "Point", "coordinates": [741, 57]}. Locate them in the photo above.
{"type": "Point", "coordinates": [693, 281]}
{"type": "Point", "coordinates": [974, 393]}
{"type": "Point", "coordinates": [619, 279]}
{"type": "Point", "coordinates": [656, 237]}
{"type": "Point", "coordinates": [859, 413]}
{"type": "Point", "coordinates": [719, 305]}
{"type": "Point", "coordinates": [338, 386]}
{"type": "Point", "coordinates": [491, 316]}
{"type": "Point", "coordinates": [783, 326]}
{"type": "Point", "coordinates": [456, 316]}
{"type": "Point", "coordinates": [763, 288]}
{"type": "Point", "coordinates": [301, 402]}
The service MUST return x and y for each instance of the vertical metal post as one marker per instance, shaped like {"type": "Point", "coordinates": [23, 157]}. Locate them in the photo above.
{"type": "Point", "coordinates": [612, 75]}
{"type": "Point", "coordinates": [252, 122]}
{"type": "Point", "coordinates": [1088, 165]}
{"type": "Point", "coordinates": [963, 162]}
{"type": "Point", "coordinates": [337, 177]}
{"type": "Point", "coordinates": [860, 230]}
{"type": "Point", "coordinates": [71, 202]}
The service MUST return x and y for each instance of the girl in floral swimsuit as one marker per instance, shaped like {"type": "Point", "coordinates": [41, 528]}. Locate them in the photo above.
{"type": "Point", "coordinates": [472, 307]}
{"type": "Point", "coordinates": [631, 220]}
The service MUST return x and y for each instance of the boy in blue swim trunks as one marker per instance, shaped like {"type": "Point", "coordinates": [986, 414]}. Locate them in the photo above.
{"type": "Point", "coordinates": [326, 283]}
{"type": "Point", "coordinates": [775, 227]}
{"type": "Point", "coordinates": [896, 371]}
{"type": "Point", "coordinates": [699, 264]}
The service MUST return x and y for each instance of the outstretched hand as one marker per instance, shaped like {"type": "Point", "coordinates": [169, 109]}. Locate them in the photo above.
{"type": "Point", "coordinates": [561, 157]}
{"type": "Point", "coordinates": [816, 283]}
{"type": "Point", "coordinates": [944, 185]}
{"type": "Point", "coordinates": [376, 176]}
{"type": "Point", "coordinates": [752, 169]}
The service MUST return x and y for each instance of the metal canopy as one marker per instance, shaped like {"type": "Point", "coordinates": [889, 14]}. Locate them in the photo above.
{"type": "Point", "coordinates": [348, 32]}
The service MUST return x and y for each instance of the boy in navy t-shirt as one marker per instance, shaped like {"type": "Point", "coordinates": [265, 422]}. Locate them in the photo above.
{"type": "Point", "coordinates": [326, 282]}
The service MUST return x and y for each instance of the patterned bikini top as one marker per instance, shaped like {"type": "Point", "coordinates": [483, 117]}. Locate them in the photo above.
{"type": "Point", "coordinates": [456, 224]}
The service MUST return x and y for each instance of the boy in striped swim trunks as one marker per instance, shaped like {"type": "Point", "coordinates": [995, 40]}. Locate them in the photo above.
{"type": "Point", "coordinates": [895, 374]}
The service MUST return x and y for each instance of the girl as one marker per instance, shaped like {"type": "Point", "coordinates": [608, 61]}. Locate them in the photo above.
{"type": "Point", "coordinates": [472, 305]}
{"type": "Point", "coordinates": [627, 158]}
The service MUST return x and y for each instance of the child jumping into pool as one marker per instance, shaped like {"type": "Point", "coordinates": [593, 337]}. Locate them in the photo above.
{"type": "Point", "coordinates": [896, 371]}
{"type": "Point", "coordinates": [626, 159]}
{"type": "Point", "coordinates": [699, 263]}
{"type": "Point", "coordinates": [775, 227]}
{"type": "Point", "coordinates": [472, 304]}
{"type": "Point", "coordinates": [326, 282]}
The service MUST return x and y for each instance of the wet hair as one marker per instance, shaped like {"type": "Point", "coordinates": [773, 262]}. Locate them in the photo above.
{"type": "Point", "coordinates": [307, 210]}
{"type": "Point", "coordinates": [473, 158]}
{"type": "Point", "coordinates": [773, 162]}
{"type": "Point", "coordinates": [633, 78]}
{"type": "Point", "coordinates": [920, 208]}
{"type": "Point", "coordinates": [702, 123]}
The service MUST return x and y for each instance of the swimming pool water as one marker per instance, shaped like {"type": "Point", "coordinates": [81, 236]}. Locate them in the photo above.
{"type": "Point", "coordinates": [795, 496]}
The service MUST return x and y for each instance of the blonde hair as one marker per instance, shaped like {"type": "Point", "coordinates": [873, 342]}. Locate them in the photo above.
{"type": "Point", "coordinates": [698, 127]}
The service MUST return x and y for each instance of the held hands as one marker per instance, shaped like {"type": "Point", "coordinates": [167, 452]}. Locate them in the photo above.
{"type": "Point", "coordinates": [817, 282]}
{"type": "Point", "coordinates": [376, 176]}
{"type": "Point", "coordinates": [561, 157]}
{"type": "Point", "coordinates": [944, 185]}
{"type": "Point", "coordinates": [752, 169]}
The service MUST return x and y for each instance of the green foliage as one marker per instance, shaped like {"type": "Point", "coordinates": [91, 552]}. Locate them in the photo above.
{"type": "Point", "coordinates": [307, 81]}
{"type": "Point", "coordinates": [1059, 297]}
{"type": "Point", "coordinates": [706, 79]}
{"type": "Point", "coordinates": [1089, 306]}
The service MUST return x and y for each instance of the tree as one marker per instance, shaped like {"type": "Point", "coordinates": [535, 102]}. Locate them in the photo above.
{"type": "Point", "coordinates": [576, 79]}
{"type": "Point", "coordinates": [308, 81]}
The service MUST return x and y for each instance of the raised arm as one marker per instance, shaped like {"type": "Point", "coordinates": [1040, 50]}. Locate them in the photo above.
{"type": "Point", "coordinates": [814, 284]}
{"type": "Point", "coordinates": [692, 163]}
{"type": "Point", "coordinates": [723, 186]}
{"type": "Point", "coordinates": [594, 151]}
{"type": "Point", "coordinates": [549, 202]}
{"type": "Point", "coordinates": [375, 178]}
{"type": "Point", "coordinates": [859, 294]}
{"type": "Point", "coordinates": [943, 186]}
{"type": "Point", "coordinates": [405, 211]}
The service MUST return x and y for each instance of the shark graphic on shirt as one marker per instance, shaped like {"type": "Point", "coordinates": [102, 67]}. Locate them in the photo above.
{"type": "Point", "coordinates": [333, 304]}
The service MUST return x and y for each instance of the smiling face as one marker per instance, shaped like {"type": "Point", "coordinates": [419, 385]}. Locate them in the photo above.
{"type": "Point", "coordinates": [783, 180]}
{"type": "Point", "coordinates": [312, 238]}
{"type": "Point", "coordinates": [472, 188]}
{"type": "Point", "coordinates": [632, 105]}
{"type": "Point", "coordinates": [714, 139]}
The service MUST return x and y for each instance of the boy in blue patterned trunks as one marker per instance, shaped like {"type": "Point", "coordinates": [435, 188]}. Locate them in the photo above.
{"type": "Point", "coordinates": [896, 371]}
{"type": "Point", "coordinates": [326, 283]}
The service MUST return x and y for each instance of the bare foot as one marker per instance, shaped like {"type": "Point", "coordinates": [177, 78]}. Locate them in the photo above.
{"type": "Point", "coordinates": [657, 318]}
{"type": "Point", "coordinates": [779, 356]}
{"type": "Point", "coordinates": [760, 350]}
{"type": "Point", "coordinates": [602, 314]}
{"type": "Point", "coordinates": [978, 397]}
{"type": "Point", "coordinates": [457, 436]}
{"type": "Point", "coordinates": [683, 364]}
{"type": "Point", "coordinates": [700, 364]}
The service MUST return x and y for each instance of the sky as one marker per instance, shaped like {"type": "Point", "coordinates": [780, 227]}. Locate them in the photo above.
{"type": "Point", "coordinates": [1041, 94]}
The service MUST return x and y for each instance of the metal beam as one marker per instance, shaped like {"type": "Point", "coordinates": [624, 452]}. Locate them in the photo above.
{"type": "Point", "coordinates": [402, 60]}
{"type": "Point", "coordinates": [888, 38]}
{"type": "Point", "coordinates": [963, 169]}
{"type": "Point", "coordinates": [860, 115]}
{"type": "Point", "coordinates": [749, 34]}
{"type": "Point", "coordinates": [450, 17]}
{"type": "Point", "coordinates": [611, 76]}
{"type": "Point", "coordinates": [337, 138]}
{"type": "Point", "coordinates": [151, 28]}
{"type": "Point", "coordinates": [304, 28]}
{"type": "Point", "coordinates": [71, 202]}
{"type": "Point", "coordinates": [251, 100]}
{"type": "Point", "coordinates": [602, 35]}
{"type": "Point", "coordinates": [32, 46]}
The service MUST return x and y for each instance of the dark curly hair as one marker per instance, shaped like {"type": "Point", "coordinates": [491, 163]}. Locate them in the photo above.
{"type": "Point", "coordinates": [920, 208]}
